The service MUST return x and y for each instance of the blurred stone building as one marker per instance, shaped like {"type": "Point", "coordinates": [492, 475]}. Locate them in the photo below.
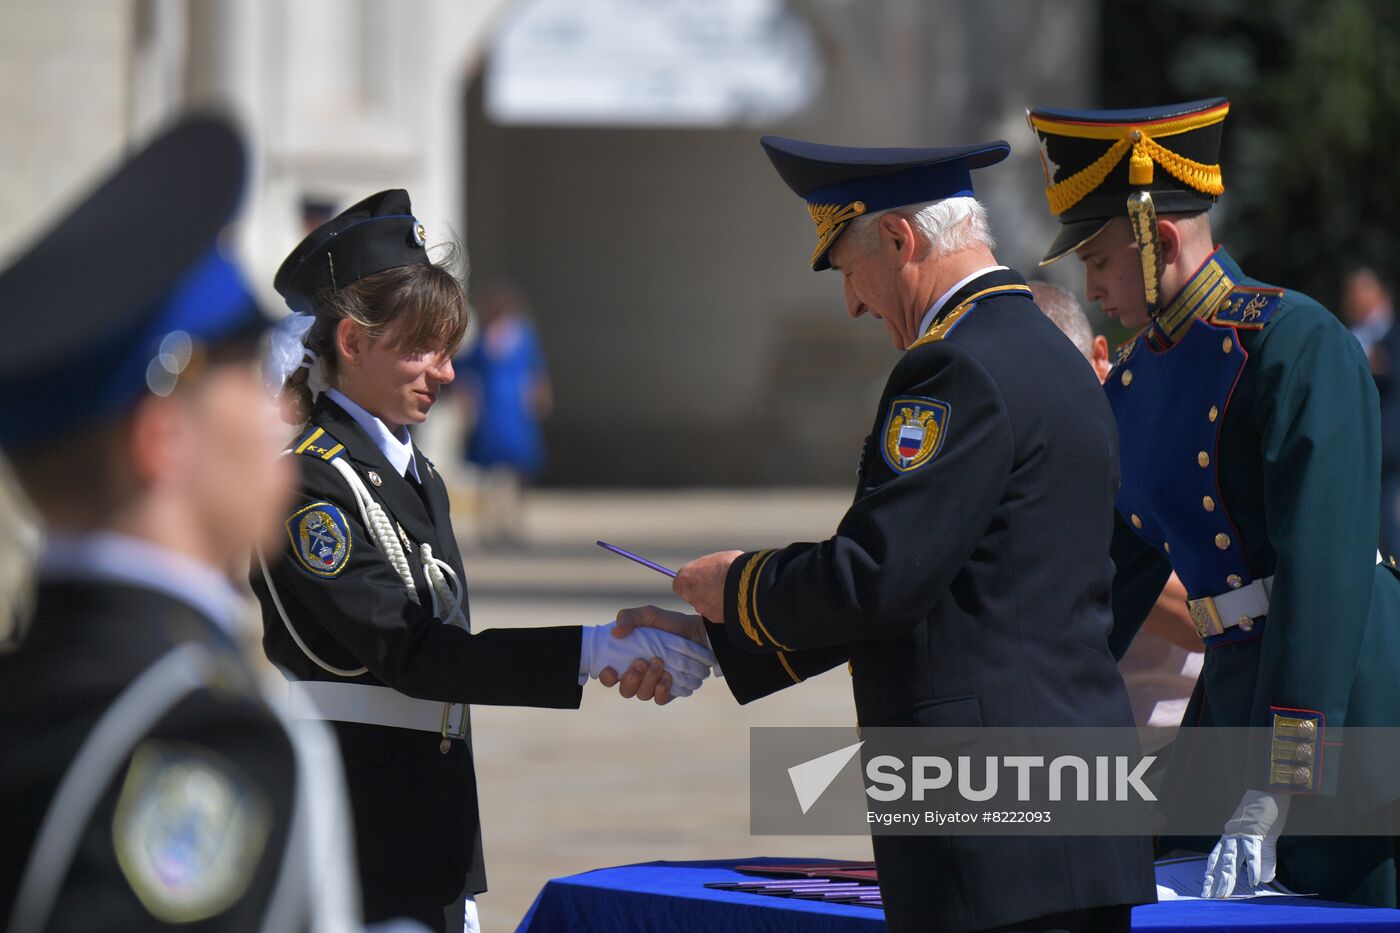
{"type": "Point", "coordinates": [665, 263]}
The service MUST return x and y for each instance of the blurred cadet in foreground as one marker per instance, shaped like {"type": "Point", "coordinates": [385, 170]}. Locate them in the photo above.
{"type": "Point", "coordinates": [145, 783]}
{"type": "Point", "coordinates": [367, 611]}
{"type": "Point", "coordinates": [505, 378]}
{"type": "Point", "coordinates": [1367, 312]}
{"type": "Point", "coordinates": [1162, 665]}
{"type": "Point", "coordinates": [1248, 429]}
{"type": "Point", "coordinates": [989, 422]}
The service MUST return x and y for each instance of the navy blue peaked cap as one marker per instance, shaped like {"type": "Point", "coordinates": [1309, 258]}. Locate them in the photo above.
{"type": "Point", "coordinates": [840, 183]}
{"type": "Point", "coordinates": [376, 234]}
{"type": "Point", "coordinates": [126, 291]}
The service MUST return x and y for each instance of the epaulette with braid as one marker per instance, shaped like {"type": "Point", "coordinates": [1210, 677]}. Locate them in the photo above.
{"type": "Point", "coordinates": [317, 443]}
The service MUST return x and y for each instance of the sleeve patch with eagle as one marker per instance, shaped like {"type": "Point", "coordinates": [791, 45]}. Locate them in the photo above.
{"type": "Point", "coordinates": [913, 432]}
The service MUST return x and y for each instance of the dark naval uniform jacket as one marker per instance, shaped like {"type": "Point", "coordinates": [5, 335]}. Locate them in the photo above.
{"type": "Point", "coordinates": [1249, 428]}
{"type": "Point", "coordinates": [415, 807]}
{"type": "Point", "coordinates": [147, 852]}
{"type": "Point", "coordinates": [967, 585]}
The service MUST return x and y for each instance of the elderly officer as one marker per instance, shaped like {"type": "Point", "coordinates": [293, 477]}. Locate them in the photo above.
{"type": "Point", "coordinates": [1250, 447]}
{"type": "Point", "coordinates": [144, 782]}
{"type": "Point", "coordinates": [968, 582]}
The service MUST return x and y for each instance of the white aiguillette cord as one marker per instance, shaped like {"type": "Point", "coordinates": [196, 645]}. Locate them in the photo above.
{"type": "Point", "coordinates": [446, 586]}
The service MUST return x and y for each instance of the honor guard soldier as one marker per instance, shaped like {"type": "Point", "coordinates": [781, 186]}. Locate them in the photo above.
{"type": "Point", "coordinates": [1248, 425]}
{"type": "Point", "coordinates": [366, 610]}
{"type": "Point", "coordinates": [145, 783]}
{"type": "Point", "coordinates": [968, 583]}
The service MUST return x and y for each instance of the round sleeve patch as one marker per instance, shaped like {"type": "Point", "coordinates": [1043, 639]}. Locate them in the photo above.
{"type": "Point", "coordinates": [913, 432]}
{"type": "Point", "coordinates": [320, 537]}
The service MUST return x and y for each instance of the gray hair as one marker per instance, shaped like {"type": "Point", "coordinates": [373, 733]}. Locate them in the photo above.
{"type": "Point", "coordinates": [1063, 309]}
{"type": "Point", "coordinates": [948, 226]}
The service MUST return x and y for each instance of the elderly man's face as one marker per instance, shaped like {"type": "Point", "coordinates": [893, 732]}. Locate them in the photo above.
{"type": "Point", "coordinates": [872, 284]}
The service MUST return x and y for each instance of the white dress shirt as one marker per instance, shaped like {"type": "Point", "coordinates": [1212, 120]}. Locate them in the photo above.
{"type": "Point", "coordinates": [943, 300]}
{"type": "Point", "coordinates": [396, 448]}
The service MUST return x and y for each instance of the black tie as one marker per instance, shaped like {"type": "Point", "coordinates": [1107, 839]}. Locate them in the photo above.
{"type": "Point", "coordinates": [418, 488]}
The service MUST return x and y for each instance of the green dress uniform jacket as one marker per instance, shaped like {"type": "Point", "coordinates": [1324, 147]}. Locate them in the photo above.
{"type": "Point", "coordinates": [1249, 430]}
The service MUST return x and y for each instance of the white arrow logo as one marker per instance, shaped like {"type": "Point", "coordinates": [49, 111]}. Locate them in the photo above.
{"type": "Point", "coordinates": [811, 778]}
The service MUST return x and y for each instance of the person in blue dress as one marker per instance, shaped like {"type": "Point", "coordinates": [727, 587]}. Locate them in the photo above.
{"type": "Point", "coordinates": [505, 377]}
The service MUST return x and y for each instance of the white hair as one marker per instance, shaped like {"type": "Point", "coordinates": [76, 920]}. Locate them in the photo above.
{"type": "Point", "coordinates": [1064, 309]}
{"type": "Point", "coordinates": [947, 226]}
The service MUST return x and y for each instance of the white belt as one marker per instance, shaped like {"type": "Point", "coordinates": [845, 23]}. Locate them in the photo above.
{"type": "Point", "coordinates": [1212, 615]}
{"type": "Point", "coordinates": [373, 706]}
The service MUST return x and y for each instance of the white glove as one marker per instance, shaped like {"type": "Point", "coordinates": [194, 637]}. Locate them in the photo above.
{"type": "Point", "coordinates": [688, 663]}
{"type": "Point", "coordinates": [1250, 835]}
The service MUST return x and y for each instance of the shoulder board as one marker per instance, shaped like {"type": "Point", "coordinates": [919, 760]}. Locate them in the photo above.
{"type": "Point", "coordinates": [1247, 307]}
{"type": "Point", "coordinates": [945, 327]}
{"type": "Point", "coordinates": [317, 443]}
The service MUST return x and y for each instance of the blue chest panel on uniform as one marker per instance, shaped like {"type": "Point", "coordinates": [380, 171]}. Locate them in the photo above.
{"type": "Point", "coordinates": [1170, 405]}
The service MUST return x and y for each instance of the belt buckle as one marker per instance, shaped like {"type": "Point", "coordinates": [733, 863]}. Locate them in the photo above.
{"type": "Point", "coordinates": [448, 731]}
{"type": "Point", "coordinates": [1205, 617]}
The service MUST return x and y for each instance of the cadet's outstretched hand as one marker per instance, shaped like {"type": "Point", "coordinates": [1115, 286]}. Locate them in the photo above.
{"type": "Point", "coordinates": [639, 679]}
{"type": "Point", "coordinates": [701, 583]}
{"type": "Point", "coordinates": [678, 665]}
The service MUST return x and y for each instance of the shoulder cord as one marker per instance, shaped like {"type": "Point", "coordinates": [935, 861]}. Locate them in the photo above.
{"type": "Point", "coordinates": [381, 529]}
{"type": "Point", "coordinates": [140, 706]}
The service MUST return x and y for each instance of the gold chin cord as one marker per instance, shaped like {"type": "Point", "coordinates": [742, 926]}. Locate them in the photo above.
{"type": "Point", "coordinates": [1143, 217]}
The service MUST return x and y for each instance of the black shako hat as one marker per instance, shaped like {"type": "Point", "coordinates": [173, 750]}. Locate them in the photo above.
{"type": "Point", "coordinates": [1095, 159]}
{"type": "Point", "coordinates": [376, 234]}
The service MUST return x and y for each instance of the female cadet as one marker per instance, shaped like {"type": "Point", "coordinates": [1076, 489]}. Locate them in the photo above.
{"type": "Point", "coordinates": [366, 609]}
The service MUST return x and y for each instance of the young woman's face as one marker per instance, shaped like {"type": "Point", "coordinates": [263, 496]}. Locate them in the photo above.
{"type": "Point", "coordinates": [399, 386]}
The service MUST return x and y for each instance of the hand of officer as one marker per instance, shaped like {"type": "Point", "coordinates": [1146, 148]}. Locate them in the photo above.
{"type": "Point", "coordinates": [681, 664]}
{"type": "Point", "coordinates": [701, 583]}
{"type": "Point", "coordinates": [1251, 837]}
{"type": "Point", "coordinates": [638, 679]}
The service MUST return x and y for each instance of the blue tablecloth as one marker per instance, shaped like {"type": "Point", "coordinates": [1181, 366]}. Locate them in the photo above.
{"type": "Point", "coordinates": [672, 897]}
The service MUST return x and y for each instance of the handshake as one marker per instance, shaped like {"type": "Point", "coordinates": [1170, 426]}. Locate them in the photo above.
{"type": "Point", "coordinates": [649, 653]}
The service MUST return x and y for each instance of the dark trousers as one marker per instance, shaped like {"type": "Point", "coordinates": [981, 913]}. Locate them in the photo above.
{"type": "Point", "coordinates": [1115, 919]}
{"type": "Point", "coordinates": [436, 901]}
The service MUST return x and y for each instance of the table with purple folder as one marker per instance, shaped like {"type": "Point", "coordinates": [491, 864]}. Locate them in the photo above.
{"type": "Point", "coordinates": [716, 895]}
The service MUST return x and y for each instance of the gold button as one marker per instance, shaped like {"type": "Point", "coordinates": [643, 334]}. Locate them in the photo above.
{"type": "Point", "coordinates": [1234, 581]}
{"type": "Point", "coordinates": [1245, 623]}
{"type": "Point", "coordinates": [1208, 503]}
{"type": "Point", "coordinates": [1391, 560]}
{"type": "Point", "coordinates": [1302, 776]}
{"type": "Point", "coordinates": [850, 668]}
{"type": "Point", "coordinates": [1127, 378]}
{"type": "Point", "coordinates": [1307, 727]}
{"type": "Point", "coordinates": [1305, 752]}
{"type": "Point", "coordinates": [1137, 522]}
{"type": "Point", "coordinates": [1227, 345]}
{"type": "Point", "coordinates": [1213, 414]}
{"type": "Point", "coordinates": [1136, 136]}
{"type": "Point", "coordinates": [1222, 541]}
{"type": "Point", "coordinates": [1203, 459]}
{"type": "Point", "coordinates": [1167, 547]}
